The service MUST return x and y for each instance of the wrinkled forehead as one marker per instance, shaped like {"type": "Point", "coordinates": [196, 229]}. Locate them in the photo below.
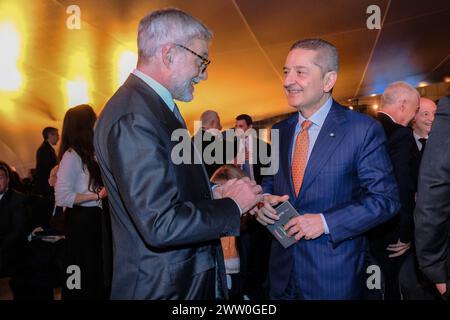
{"type": "Point", "coordinates": [427, 105]}
{"type": "Point", "coordinates": [307, 59]}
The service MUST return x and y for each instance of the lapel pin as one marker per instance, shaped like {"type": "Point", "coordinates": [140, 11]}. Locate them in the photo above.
{"type": "Point", "coordinates": [332, 135]}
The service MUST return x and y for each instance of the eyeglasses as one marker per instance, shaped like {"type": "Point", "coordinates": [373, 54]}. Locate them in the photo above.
{"type": "Point", "coordinates": [205, 62]}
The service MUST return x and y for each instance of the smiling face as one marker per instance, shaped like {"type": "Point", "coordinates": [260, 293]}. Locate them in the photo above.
{"type": "Point", "coordinates": [187, 70]}
{"type": "Point", "coordinates": [424, 117]}
{"type": "Point", "coordinates": [305, 85]}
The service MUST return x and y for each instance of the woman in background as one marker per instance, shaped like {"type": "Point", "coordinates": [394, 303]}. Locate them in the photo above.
{"type": "Point", "coordinates": [79, 189]}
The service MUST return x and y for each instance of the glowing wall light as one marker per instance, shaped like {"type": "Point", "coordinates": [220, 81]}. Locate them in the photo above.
{"type": "Point", "coordinates": [77, 92]}
{"type": "Point", "coordinates": [375, 107]}
{"type": "Point", "coordinates": [78, 84]}
{"type": "Point", "coordinates": [10, 76]}
{"type": "Point", "coordinates": [126, 63]}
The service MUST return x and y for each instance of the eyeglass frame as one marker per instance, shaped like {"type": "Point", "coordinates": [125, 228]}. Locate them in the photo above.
{"type": "Point", "coordinates": [205, 62]}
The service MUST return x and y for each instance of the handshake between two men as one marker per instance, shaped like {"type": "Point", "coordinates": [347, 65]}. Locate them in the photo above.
{"type": "Point", "coordinates": [248, 196]}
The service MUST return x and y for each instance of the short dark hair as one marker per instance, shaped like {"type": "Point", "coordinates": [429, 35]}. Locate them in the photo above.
{"type": "Point", "coordinates": [5, 169]}
{"type": "Point", "coordinates": [47, 131]}
{"type": "Point", "coordinates": [327, 55]}
{"type": "Point", "coordinates": [245, 117]}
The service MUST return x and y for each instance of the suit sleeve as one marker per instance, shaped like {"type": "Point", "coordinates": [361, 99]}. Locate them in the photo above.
{"type": "Point", "coordinates": [432, 213]}
{"type": "Point", "coordinates": [267, 184]}
{"type": "Point", "coordinates": [402, 152]}
{"type": "Point", "coordinates": [145, 175]}
{"type": "Point", "coordinates": [379, 199]}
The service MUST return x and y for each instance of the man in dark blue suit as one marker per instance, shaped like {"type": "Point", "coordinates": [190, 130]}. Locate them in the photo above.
{"type": "Point", "coordinates": [336, 172]}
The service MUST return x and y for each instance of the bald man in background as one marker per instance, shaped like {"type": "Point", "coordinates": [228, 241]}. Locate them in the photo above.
{"type": "Point", "coordinates": [391, 241]}
{"type": "Point", "coordinates": [423, 121]}
{"type": "Point", "coordinates": [210, 120]}
{"type": "Point", "coordinates": [432, 214]}
{"type": "Point", "coordinates": [209, 132]}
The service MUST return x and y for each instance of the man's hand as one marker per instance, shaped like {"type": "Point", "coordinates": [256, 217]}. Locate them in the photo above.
{"type": "Point", "coordinates": [310, 226]}
{"type": "Point", "coordinates": [442, 288]}
{"type": "Point", "coordinates": [244, 192]}
{"type": "Point", "coordinates": [103, 193]}
{"type": "Point", "coordinates": [53, 176]}
{"type": "Point", "coordinates": [265, 213]}
{"type": "Point", "coordinates": [398, 248]}
{"type": "Point", "coordinates": [38, 229]}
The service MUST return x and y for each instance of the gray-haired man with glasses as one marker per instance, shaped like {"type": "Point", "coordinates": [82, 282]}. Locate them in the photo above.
{"type": "Point", "coordinates": [166, 223]}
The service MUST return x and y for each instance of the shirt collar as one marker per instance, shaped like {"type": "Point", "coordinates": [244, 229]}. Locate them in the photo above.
{"type": "Point", "coordinates": [418, 137]}
{"type": "Point", "coordinates": [318, 118]}
{"type": "Point", "coordinates": [159, 88]}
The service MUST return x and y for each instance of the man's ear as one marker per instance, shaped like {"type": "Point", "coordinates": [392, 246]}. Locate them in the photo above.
{"type": "Point", "coordinates": [167, 52]}
{"type": "Point", "coordinates": [329, 80]}
{"type": "Point", "coordinates": [402, 107]}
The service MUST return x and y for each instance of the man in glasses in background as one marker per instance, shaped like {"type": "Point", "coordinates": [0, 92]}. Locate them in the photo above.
{"type": "Point", "coordinates": [165, 223]}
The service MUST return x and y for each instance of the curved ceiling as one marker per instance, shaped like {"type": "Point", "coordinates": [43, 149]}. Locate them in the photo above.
{"type": "Point", "coordinates": [42, 60]}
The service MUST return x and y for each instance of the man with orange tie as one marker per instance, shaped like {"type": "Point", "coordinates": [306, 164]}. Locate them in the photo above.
{"type": "Point", "coordinates": [335, 169]}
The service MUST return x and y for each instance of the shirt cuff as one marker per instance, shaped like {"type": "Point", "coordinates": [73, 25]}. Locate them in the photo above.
{"type": "Point", "coordinates": [325, 225]}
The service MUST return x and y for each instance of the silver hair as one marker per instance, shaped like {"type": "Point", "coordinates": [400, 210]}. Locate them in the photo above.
{"type": "Point", "coordinates": [327, 58]}
{"type": "Point", "coordinates": [168, 25]}
{"type": "Point", "coordinates": [208, 116]}
{"type": "Point", "coordinates": [396, 91]}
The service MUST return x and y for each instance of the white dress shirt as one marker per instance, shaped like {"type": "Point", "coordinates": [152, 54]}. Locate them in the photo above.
{"type": "Point", "coordinates": [72, 179]}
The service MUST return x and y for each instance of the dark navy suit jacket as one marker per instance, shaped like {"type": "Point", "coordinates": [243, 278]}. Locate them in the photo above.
{"type": "Point", "coordinates": [349, 178]}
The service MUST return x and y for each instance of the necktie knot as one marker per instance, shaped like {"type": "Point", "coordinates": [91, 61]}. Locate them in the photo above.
{"type": "Point", "coordinates": [306, 125]}
{"type": "Point", "coordinates": [423, 141]}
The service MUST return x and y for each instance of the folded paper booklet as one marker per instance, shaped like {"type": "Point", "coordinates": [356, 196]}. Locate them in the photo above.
{"type": "Point", "coordinates": [286, 212]}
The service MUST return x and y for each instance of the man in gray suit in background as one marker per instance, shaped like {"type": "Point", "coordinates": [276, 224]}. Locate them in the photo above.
{"type": "Point", "coordinates": [432, 213]}
{"type": "Point", "coordinates": [166, 225]}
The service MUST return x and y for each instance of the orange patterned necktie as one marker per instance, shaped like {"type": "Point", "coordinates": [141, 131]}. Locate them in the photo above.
{"type": "Point", "coordinates": [300, 157]}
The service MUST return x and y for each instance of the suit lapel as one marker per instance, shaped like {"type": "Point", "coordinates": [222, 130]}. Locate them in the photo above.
{"type": "Point", "coordinates": [160, 108]}
{"type": "Point", "coordinates": [286, 137]}
{"type": "Point", "coordinates": [330, 136]}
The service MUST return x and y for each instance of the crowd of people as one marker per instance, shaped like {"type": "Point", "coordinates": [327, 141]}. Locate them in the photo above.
{"type": "Point", "coordinates": [138, 224]}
